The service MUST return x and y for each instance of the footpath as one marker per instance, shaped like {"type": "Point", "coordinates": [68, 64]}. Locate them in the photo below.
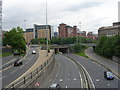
{"type": "Point", "coordinates": [107, 63]}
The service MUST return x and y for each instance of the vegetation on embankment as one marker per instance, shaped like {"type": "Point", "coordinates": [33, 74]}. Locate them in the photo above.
{"type": "Point", "coordinates": [79, 49]}
{"type": "Point", "coordinates": [108, 46]}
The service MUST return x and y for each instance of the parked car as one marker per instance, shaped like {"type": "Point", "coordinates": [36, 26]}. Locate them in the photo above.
{"type": "Point", "coordinates": [34, 52]}
{"type": "Point", "coordinates": [54, 86]}
{"type": "Point", "coordinates": [108, 75]}
{"type": "Point", "coordinates": [18, 63]}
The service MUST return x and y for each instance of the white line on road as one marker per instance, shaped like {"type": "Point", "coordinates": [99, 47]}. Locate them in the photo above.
{"type": "Point", "coordinates": [88, 75]}
{"type": "Point", "coordinates": [22, 66]}
{"type": "Point", "coordinates": [13, 71]}
{"type": "Point", "coordinates": [27, 62]}
{"type": "Point", "coordinates": [3, 77]}
{"type": "Point", "coordinates": [81, 80]}
{"type": "Point", "coordinates": [74, 79]}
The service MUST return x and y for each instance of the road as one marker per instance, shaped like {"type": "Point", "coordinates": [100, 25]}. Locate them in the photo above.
{"type": "Point", "coordinates": [8, 58]}
{"type": "Point", "coordinates": [104, 61]}
{"type": "Point", "coordinates": [96, 72]}
{"type": "Point", "coordinates": [65, 73]}
{"type": "Point", "coordinates": [12, 73]}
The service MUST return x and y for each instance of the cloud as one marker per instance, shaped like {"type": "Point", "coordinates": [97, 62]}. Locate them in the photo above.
{"type": "Point", "coordinates": [92, 14]}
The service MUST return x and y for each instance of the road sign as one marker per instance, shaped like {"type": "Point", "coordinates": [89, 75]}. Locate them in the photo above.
{"type": "Point", "coordinates": [37, 84]}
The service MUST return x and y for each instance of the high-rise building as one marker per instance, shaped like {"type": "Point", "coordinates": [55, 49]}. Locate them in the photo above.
{"type": "Point", "coordinates": [41, 32]}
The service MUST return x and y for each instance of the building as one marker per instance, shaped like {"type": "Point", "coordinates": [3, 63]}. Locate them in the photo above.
{"type": "Point", "coordinates": [55, 34]}
{"type": "Point", "coordinates": [29, 35]}
{"type": "Point", "coordinates": [66, 30]}
{"type": "Point", "coordinates": [109, 30]}
{"type": "Point", "coordinates": [81, 33]}
{"type": "Point", "coordinates": [41, 32]}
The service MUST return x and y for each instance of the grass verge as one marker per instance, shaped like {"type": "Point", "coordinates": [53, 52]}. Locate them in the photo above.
{"type": "Point", "coordinates": [82, 52]}
{"type": "Point", "coordinates": [5, 54]}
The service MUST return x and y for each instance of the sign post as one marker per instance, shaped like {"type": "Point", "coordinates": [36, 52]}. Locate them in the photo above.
{"type": "Point", "coordinates": [37, 84]}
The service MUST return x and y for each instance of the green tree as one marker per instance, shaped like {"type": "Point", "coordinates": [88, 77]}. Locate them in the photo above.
{"type": "Point", "coordinates": [76, 48]}
{"type": "Point", "coordinates": [15, 38]}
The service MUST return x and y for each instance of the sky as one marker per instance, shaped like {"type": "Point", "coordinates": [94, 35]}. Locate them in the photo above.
{"type": "Point", "coordinates": [88, 15]}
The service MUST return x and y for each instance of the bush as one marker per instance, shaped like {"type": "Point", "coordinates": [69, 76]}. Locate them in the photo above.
{"type": "Point", "coordinates": [108, 46]}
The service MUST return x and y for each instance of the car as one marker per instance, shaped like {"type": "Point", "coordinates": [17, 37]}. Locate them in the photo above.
{"type": "Point", "coordinates": [108, 75]}
{"type": "Point", "coordinates": [18, 63]}
{"type": "Point", "coordinates": [34, 52]}
{"type": "Point", "coordinates": [54, 86]}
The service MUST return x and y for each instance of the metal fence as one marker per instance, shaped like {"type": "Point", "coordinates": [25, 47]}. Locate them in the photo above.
{"type": "Point", "coordinates": [26, 80]}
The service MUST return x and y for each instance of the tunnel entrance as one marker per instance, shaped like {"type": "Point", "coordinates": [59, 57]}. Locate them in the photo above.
{"type": "Point", "coordinates": [63, 50]}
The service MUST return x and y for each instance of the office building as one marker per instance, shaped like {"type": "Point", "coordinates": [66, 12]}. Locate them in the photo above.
{"type": "Point", "coordinates": [67, 31]}
{"type": "Point", "coordinates": [29, 35]}
{"type": "Point", "coordinates": [109, 30]}
{"type": "Point", "coordinates": [41, 32]}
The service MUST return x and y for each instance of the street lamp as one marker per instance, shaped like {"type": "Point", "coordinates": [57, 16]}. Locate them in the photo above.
{"type": "Point", "coordinates": [46, 30]}
{"type": "Point", "coordinates": [25, 30]}
{"type": "Point", "coordinates": [80, 32]}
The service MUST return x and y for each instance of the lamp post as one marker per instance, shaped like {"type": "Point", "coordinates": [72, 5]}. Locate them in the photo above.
{"type": "Point", "coordinates": [80, 30]}
{"type": "Point", "coordinates": [46, 30]}
{"type": "Point", "coordinates": [25, 30]}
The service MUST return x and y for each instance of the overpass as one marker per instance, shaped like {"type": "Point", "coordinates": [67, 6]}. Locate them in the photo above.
{"type": "Point", "coordinates": [66, 48]}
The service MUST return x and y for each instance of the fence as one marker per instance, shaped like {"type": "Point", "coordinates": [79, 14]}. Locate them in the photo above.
{"type": "Point", "coordinates": [38, 72]}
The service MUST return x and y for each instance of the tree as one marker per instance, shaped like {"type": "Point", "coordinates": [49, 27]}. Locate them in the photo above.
{"type": "Point", "coordinates": [15, 38]}
{"type": "Point", "coordinates": [76, 48]}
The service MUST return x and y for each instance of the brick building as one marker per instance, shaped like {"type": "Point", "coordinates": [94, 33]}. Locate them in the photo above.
{"type": "Point", "coordinates": [109, 30]}
{"type": "Point", "coordinates": [66, 30]}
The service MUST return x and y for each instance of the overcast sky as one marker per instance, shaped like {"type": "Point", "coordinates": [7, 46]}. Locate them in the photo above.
{"type": "Point", "coordinates": [91, 13]}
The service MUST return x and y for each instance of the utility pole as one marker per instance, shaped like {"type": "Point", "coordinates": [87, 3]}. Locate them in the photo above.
{"type": "Point", "coordinates": [46, 30]}
{"type": "Point", "coordinates": [80, 30]}
{"type": "Point", "coordinates": [25, 30]}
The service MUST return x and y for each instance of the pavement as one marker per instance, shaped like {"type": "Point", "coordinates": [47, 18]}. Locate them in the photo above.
{"type": "Point", "coordinates": [107, 63]}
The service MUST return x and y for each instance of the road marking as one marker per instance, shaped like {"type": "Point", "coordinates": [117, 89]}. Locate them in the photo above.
{"type": "Point", "coordinates": [88, 75]}
{"type": "Point", "coordinates": [78, 71]}
{"type": "Point", "coordinates": [74, 79]}
{"type": "Point", "coordinates": [3, 77]}
{"type": "Point", "coordinates": [13, 71]}
{"type": "Point", "coordinates": [27, 62]}
{"type": "Point", "coordinates": [22, 66]}
{"type": "Point", "coordinates": [61, 80]}
{"type": "Point", "coordinates": [81, 80]}
{"type": "Point", "coordinates": [6, 68]}
{"type": "Point", "coordinates": [97, 80]}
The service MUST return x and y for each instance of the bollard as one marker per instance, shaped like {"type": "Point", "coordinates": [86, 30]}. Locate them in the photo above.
{"type": "Point", "coordinates": [24, 80]}
{"type": "Point", "coordinates": [31, 75]}
{"type": "Point", "coordinates": [13, 86]}
{"type": "Point", "coordinates": [37, 70]}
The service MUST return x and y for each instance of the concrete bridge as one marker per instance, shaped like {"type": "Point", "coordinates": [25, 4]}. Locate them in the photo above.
{"type": "Point", "coordinates": [66, 48]}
